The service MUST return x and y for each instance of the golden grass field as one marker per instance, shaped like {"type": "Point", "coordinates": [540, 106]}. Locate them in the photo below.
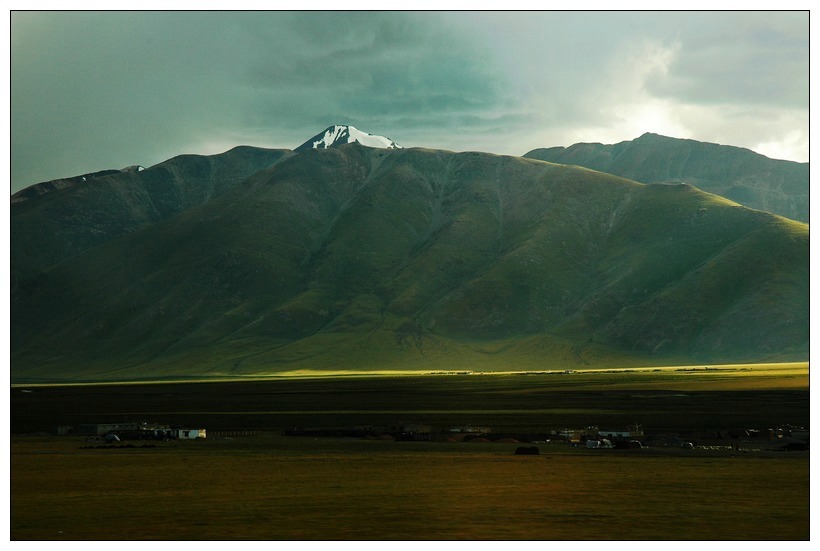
{"type": "Point", "coordinates": [279, 488]}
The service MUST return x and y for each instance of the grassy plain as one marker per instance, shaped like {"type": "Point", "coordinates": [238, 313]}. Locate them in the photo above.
{"type": "Point", "coordinates": [271, 487]}
{"type": "Point", "coordinates": [279, 488]}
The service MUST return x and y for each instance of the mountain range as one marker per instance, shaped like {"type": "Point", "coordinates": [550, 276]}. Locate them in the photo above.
{"type": "Point", "coordinates": [360, 258]}
{"type": "Point", "coordinates": [739, 174]}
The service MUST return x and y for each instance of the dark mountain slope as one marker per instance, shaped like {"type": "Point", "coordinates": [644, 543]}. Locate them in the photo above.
{"type": "Point", "coordinates": [753, 180]}
{"type": "Point", "coordinates": [53, 221]}
{"type": "Point", "coordinates": [358, 258]}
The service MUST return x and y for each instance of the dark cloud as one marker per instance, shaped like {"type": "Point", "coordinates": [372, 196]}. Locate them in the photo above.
{"type": "Point", "coordinates": [374, 68]}
{"type": "Point", "coordinates": [96, 90]}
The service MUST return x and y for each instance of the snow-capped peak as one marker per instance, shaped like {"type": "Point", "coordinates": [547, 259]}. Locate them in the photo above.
{"type": "Point", "coordinates": [341, 134]}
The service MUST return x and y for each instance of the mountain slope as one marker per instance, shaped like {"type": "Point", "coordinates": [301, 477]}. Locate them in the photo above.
{"type": "Point", "coordinates": [54, 221]}
{"type": "Point", "coordinates": [372, 259]}
{"type": "Point", "coordinates": [781, 187]}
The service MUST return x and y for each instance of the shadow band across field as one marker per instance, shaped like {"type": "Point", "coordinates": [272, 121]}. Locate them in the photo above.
{"type": "Point", "coordinates": [670, 401]}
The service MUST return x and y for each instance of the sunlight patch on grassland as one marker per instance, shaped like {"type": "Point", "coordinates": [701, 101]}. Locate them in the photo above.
{"type": "Point", "coordinates": [784, 375]}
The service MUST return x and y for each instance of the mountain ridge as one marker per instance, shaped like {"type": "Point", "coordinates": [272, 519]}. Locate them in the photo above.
{"type": "Point", "coordinates": [63, 218]}
{"type": "Point", "coordinates": [355, 257]}
{"type": "Point", "coordinates": [737, 173]}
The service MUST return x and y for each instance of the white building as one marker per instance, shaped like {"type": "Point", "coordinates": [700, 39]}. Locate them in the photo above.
{"type": "Point", "coordinates": [190, 434]}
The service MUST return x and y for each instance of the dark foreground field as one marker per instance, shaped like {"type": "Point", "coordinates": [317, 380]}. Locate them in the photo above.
{"type": "Point", "coordinates": [270, 486]}
{"type": "Point", "coordinates": [282, 488]}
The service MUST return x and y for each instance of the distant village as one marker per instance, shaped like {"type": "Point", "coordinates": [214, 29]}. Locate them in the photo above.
{"type": "Point", "coordinates": [115, 432]}
{"type": "Point", "coordinates": [630, 437]}
{"type": "Point", "coordinates": [785, 438]}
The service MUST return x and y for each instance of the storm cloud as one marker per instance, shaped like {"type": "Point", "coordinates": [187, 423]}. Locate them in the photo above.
{"type": "Point", "coordinates": [98, 90]}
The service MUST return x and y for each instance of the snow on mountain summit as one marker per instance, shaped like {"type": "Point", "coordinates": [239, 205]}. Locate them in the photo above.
{"type": "Point", "coordinates": [342, 134]}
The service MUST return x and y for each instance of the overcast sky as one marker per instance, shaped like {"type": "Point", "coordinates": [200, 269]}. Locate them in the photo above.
{"type": "Point", "coordinates": [98, 90]}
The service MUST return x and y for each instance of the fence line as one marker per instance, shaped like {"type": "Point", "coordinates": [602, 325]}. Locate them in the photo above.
{"type": "Point", "coordinates": [237, 432]}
